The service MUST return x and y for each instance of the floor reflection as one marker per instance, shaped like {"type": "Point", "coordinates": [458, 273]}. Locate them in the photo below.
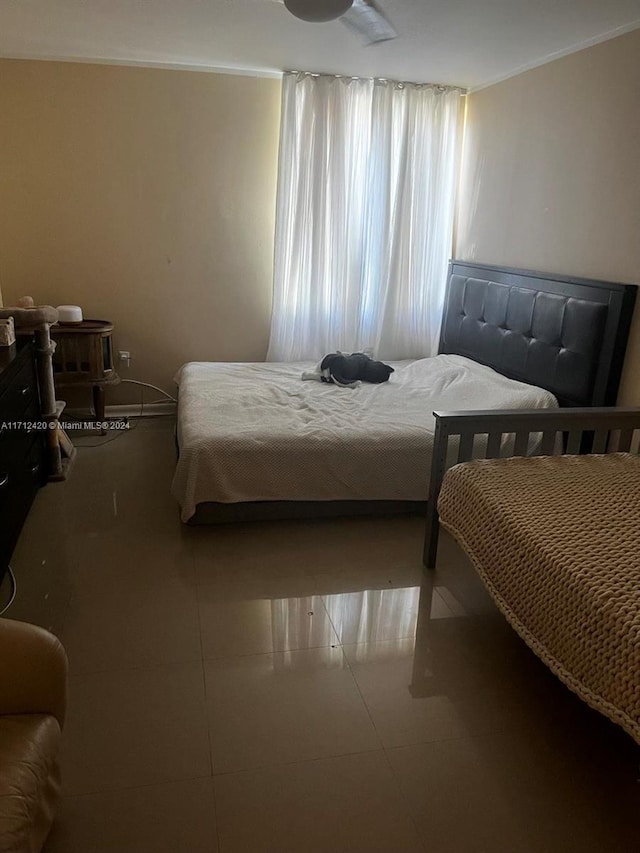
{"type": "Point", "coordinates": [298, 664]}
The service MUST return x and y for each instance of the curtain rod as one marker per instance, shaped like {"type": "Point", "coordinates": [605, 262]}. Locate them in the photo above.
{"type": "Point", "coordinates": [442, 87]}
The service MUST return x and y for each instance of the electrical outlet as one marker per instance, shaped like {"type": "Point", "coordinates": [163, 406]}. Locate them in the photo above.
{"type": "Point", "coordinates": [124, 357]}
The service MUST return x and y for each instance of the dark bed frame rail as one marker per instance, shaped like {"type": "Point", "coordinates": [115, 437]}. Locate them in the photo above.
{"type": "Point", "coordinates": [583, 430]}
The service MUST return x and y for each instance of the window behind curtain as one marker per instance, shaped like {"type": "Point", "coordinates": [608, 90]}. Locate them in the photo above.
{"type": "Point", "coordinates": [365, 207]}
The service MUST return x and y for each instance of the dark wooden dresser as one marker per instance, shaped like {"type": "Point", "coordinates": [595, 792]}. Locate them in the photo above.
{"type": "Point", "coordinates": [22, 444]}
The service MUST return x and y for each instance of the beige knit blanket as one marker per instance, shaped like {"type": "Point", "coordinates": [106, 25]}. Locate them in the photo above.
{"type": "Point", "coordinates": [556, 540]}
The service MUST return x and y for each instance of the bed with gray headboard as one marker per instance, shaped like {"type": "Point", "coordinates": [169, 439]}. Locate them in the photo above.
{"type": "Point", "coordinates": [567, 335]}
{"type": "Point", "coordinates": [255, 442]}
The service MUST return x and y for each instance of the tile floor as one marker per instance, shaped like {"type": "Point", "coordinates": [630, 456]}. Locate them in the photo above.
{"type": "Point", "coordinates": [297, 686]}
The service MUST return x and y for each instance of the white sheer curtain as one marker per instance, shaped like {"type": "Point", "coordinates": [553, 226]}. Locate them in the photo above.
{"type": "Point", "coordinates": [364, 220]}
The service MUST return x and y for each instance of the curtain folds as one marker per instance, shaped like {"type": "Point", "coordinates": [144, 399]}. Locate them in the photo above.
{"type": "Point", "coordinates": [364, 218]}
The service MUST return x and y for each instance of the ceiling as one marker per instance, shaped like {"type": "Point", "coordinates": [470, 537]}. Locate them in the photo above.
{"type": "Point", "coordinates": [468, 43]}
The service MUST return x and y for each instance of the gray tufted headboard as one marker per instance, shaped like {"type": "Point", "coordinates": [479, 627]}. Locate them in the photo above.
{"type": "Point", "coordinates": [567, 335]}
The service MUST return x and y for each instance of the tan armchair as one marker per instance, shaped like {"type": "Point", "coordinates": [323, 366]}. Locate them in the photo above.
{"type": "Point", "coordinates": [33, 692]}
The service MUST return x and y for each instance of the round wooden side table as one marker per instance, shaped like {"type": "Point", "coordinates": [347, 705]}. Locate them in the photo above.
{"type": "Point", "coordinates": [84, 357]}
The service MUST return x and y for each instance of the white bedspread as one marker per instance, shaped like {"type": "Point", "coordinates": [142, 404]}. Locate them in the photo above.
{"type": "Point", "coordinates": [257, 432]}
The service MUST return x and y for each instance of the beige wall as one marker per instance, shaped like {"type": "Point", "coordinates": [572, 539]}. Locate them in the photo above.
{"type": "Point", "coordinates": [551, 174]}
{"type": "Point", "coordinates": [147, 197]}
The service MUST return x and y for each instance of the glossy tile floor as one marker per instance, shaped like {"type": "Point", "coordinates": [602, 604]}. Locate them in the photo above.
{"type": "Point", "coordinates": [297, 686]}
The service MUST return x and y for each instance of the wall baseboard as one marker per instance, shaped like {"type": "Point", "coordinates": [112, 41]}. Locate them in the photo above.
{"type": "Point", "coordinates": [130, 410]}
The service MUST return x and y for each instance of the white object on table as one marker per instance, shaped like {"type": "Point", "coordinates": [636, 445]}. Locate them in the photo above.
{"type": "Point", "coordinates": [69, 314]}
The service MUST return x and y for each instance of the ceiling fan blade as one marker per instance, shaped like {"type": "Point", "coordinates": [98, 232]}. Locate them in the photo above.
{"type": "Point", "coordinates": [366, 20]}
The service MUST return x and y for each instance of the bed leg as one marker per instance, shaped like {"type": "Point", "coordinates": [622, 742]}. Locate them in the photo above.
{"type": "Point", "coordinates": [438, 465]}
{"type": "Point", "coordinates": [431, 539]}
